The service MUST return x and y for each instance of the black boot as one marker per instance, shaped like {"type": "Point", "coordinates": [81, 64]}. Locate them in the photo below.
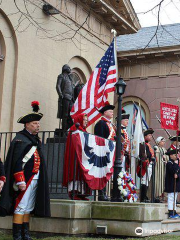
{"type": "Point", "coordinates": [25, 232]}
{"type": "Point", "coordinates": [102, 195]}
{"type": "Point", "coordinates": [17, 231]}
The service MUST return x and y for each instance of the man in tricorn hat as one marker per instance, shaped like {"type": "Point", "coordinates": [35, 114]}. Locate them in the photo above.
{"type": "Point", "coordinates": [26, 189]}
{"type": "Point", "coordinates": [175, 144]}
{"type": "Point", "coordinates": [125, 153]}
{"type": "Point", "coordinates": [172, 182]}
{"type": "Point", "coordinates": [104, 128]}
{"type": "Point", "coordinates": [144, 168]}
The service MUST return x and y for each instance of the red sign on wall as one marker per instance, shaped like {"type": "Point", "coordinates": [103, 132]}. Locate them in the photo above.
{"type": "Point", "coordinates": [169, 116]}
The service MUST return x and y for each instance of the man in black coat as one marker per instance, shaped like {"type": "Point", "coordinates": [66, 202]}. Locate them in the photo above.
{"type": "Point", "coordinates": [144, 168]}
{"type": "Point", "coordinates": [26, 189]}
{"type": "Point", "coordinates": [104, 128]}
{"type": "Point", "coordinates": [172, 180]}
{"type": "Point", "coordinates": [2, 175]}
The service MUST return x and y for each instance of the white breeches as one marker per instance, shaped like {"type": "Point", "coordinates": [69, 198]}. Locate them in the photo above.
{"type": "Point", "coordinates": [27, 202]}
{"type": "Point", "coordinates": [171, 201]}
{"type": "Point", "coordinates": [147, 177]}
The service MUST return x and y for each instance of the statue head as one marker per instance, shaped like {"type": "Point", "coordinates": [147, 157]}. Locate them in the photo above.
{"type": "Point", "coordinates": [66, 68]}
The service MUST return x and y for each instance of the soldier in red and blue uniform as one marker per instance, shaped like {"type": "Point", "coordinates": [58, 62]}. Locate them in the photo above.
{"type": "Point", "coordinates": [26, 189]}
{"type": "Point", "coordinates": [126, 147]}
{"type": "Point", "coordinates": [144, 168]}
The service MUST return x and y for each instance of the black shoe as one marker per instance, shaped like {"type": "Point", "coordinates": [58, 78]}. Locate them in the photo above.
{"type": "Point", "coordinates": [157, 200]}
{"type": "Point", "coordinates": [17, 231]}
{"type": "Point", "coordinates": [103, 198]}
{"type": "Point", "coordinates": [25, 232]}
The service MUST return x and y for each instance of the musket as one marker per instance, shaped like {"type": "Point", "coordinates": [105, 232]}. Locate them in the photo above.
{"type": "Point", "coordinates": [169, 135]}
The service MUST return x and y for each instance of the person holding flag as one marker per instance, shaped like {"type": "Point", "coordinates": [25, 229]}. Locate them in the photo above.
{"type": "Point", "coordinates": [144, 168]}
{"type": "Point", "coordinates": [175, 145]}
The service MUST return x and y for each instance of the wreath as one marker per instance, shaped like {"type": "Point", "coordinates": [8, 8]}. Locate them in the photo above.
{"type": "Point", "coordinates": [127, 187]}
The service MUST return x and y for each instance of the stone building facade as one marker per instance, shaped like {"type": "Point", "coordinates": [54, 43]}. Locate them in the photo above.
{"type": "Point", "coordinates": [34, 46]}
{"type": "Point", "coordinates": [151, 71]}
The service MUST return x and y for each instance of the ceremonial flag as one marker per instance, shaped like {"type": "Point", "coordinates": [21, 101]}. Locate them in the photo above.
{"type": "Point", "coordinates": [169, 116]}
{"type": "Point", "coordinates": [94, 94]}
{"type": "Point", "coordinates": [95, 156]}
{"type": "Point", "coordinates": [138, 136]}
{"type": "Point", "coordinates": [144, 123]}
{"type": "Point", "coordinates": [135, 111]}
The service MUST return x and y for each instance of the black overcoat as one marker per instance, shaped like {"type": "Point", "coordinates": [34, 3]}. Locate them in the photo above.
{"type": "Point", "coordinates": [171, 169]}
{"type": "Point", "coordinates": [24, 140]}
{"type": "Point", "coordinates": [101, 129]}
{"type": "Point", "coordinates": [2, 173]}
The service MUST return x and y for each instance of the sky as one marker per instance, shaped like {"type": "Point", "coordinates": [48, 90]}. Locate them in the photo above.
{"type": "Point", "coordinates": [169, 13]}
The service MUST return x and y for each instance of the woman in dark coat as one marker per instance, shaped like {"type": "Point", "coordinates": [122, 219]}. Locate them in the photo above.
{"type": "Point", "coordinates": [80, 187]}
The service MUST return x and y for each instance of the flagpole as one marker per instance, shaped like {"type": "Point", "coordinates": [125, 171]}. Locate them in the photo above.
{"type": "Point", "coordinates": [116, 196]}
{"type": "Point", "coordinates": [113, 31]}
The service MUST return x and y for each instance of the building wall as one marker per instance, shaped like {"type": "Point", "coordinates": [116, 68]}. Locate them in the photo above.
{"type": "Point", "coordinates": [151, 82]}
{"type": "Point", "coordinates": [33, 60]}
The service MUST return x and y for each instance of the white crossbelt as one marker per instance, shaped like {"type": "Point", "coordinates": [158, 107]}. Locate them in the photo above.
{"type": "Point", "coordinates": [28, 156]}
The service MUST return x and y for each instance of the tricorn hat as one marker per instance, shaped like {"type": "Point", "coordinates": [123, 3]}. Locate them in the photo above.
{"type": "Point", "coordinates": [148, 131]}
{"type": "Point", "coordinates": [124, 115]}
{"type": "Point", "coordinates": [174, 138]}
{"type": "Point", "coordinates": [106, 107]}
{"type": "Point", "coordinates": [171, 151]}
{"type": "Point", "coordinates": [33, 116]}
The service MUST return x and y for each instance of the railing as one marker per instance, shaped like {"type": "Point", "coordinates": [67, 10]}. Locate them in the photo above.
{"type": "Point", "coordinates": [53, 147]}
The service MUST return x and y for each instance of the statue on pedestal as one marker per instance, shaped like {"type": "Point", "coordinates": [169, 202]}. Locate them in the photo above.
{"type": "Point", "coordinates": [65, 90]}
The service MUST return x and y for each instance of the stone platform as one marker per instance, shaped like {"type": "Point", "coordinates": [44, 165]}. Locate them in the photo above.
{"type": "Point", "coordinates": [120, 219]}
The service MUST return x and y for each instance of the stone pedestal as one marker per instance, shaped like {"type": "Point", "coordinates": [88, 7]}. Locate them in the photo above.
{"type": "Point", "coordinates": [118, 219]}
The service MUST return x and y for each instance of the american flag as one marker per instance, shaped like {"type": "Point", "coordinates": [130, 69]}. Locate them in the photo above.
{"type": "Point", "coordinates": [94, 94]}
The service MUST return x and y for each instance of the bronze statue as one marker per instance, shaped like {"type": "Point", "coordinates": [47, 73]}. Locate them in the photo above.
{"type": "Point", "coordinates": [65, 90]}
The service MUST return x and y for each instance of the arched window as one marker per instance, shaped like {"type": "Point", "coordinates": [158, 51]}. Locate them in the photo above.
{"type": "Point", "coordinates": [78, 81]}
{"type": "Point", "coordinates": [128, 105]}
{"type": "Point", "coordinates": [76, 78]}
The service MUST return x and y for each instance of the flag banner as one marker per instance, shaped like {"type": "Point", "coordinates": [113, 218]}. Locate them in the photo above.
{"type": "Point", "coordinates": [94, 94]}
{"type": "Point", "coordinates": [133, 124]}
{"type": "Point", "coordinates": [169, 116]}
{"type": "Point", "coordinates": [138, 136]}
{"type": "Point", "coordinates": [144, 123]}
{"type": "Point", "coordinates": [95, 156]}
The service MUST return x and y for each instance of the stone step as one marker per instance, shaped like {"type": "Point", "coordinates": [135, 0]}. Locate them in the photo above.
{"type": "Point", "coordinates": [170, 221]}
